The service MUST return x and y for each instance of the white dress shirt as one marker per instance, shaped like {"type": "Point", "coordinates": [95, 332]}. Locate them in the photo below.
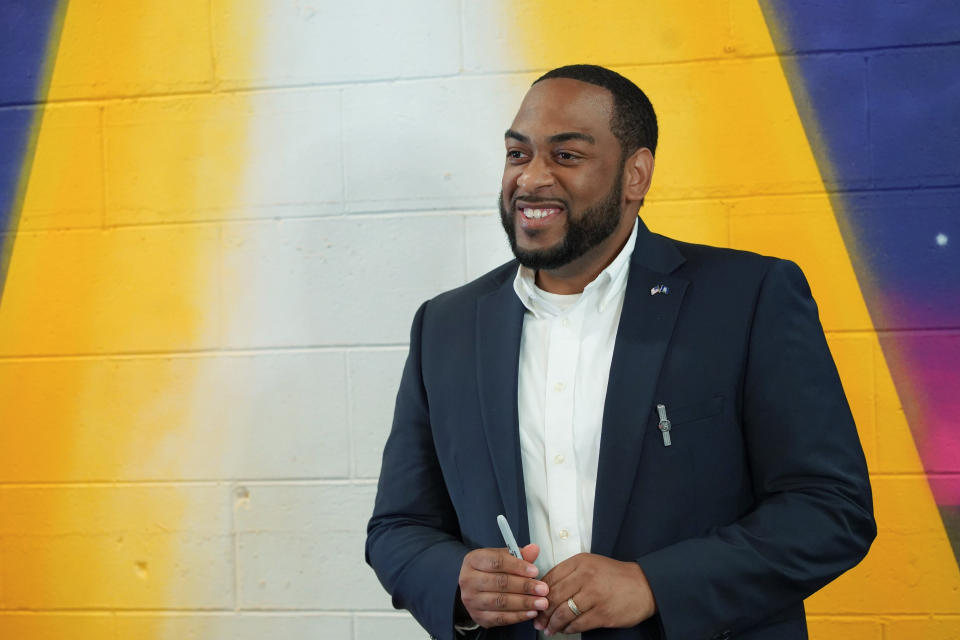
{"type": "Point", "coordinates": [565, 353]}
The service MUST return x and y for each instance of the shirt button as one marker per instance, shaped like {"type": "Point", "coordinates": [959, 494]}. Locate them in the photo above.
{"type": "Point", "coordinates": [563, 533]}
{"type": "Point", "coordinates": [565, 322]}
{"type": "Point", "coordinates": [559, 386]}
{"type": "Point", "coordinates": [558, 459]}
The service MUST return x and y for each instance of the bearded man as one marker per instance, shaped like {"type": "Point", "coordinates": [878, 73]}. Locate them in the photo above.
{"type": "Point", "coordinates": [660, 422]}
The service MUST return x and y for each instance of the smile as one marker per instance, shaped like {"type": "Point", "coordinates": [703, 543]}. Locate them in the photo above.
{"type": "Point", "coordinates": [537, 214]}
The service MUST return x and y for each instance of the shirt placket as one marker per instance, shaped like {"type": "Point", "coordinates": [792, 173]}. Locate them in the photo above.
{"type": "Point", "coordinates": [560, 456]}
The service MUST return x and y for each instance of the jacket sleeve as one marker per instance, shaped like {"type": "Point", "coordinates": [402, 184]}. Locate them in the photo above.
{"type": "Point", "coordinates": [413, 539]}
{"type": "Point", "coordinates": [813, 515]}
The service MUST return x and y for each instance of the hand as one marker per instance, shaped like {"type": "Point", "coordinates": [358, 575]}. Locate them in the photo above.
{"type": "Point", "coordinates": [608, 593]}
{"type": "Point", "coordinates": [497, 589]}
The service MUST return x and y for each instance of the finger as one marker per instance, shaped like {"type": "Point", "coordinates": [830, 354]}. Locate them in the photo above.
{"type": "Point", "coordinates": [558, 602]}
{"type": "Point", "coordinates": [562, 617]}
{"type": "Point", "coordinates": [503, 583]}
{"type": "Point", "coordinates": [559, 593]}
{"type": "Point", "coordinates": [541, 621]}
{"type": "Point", "coordinates": [584, 622]}
{"type": "Point", "coordinates": [571, 584]}
{"type": "Point", "coordinates": [500, 561]}
{"type": "Point", "coordinates": [562, 570]}
{"type": "Point", "coordinates": [489, 619]}
{"type": "Point", "coordinates": [500, 602]}
{"type": "Point", "coordinates": [530, 552]}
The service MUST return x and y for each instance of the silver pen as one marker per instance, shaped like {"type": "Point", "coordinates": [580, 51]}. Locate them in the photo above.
{"type": "Point", "coordinates": [508, 536]}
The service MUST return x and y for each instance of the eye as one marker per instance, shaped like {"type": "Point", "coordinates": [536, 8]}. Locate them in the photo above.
{"type": "Point", "coordinates": [566, 156]}
{"type": "Point", "coordinates": [515, 155]}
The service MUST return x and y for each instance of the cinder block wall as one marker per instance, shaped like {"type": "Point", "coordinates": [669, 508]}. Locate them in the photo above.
{"type": "Point", "coordinates": [233, 211]}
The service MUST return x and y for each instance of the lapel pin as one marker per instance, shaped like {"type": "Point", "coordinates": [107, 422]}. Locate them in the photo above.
{"type": "Point", "coordinates": [660, 288]}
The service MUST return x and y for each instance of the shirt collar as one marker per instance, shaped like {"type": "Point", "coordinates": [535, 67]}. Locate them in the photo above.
{"type": "Point", "coordinates": [610, 283]}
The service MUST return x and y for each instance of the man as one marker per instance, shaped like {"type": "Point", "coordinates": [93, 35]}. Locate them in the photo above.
{"type": "Point", "coordinates": [662, 422]}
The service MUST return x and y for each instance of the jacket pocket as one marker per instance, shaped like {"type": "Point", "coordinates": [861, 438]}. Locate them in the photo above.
{"type": "Point", "coordinates": [686, 413]}
{"type": "Point", "coordinates": [684, 418]}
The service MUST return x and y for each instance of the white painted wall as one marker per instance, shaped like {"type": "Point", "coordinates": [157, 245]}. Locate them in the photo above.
{"type": "Point", "coordinates": [372, 187]}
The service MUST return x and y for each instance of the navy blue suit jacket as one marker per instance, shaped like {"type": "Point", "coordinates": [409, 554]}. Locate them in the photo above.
{"type": "Point", "coordinates": [761, 499]}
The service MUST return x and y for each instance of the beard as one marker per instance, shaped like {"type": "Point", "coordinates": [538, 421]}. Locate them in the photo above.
{"type": "Point", "coordinates": [584, 232]}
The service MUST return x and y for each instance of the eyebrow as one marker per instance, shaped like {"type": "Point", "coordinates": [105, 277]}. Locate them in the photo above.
{"type": "Point", "coordinates": [519, 137]}
{"type": "Point", "coordinates": [572, 135]}
{"type": "Point", "coordinates": [559, 137]}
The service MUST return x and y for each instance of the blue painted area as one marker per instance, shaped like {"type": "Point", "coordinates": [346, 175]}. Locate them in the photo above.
{"type": "Point", "coordinates": [14, 132]}
{"type": "Point", "coordinates": [915, 116]}
{"type": "Point", "coordinates": [878, 88]}
{"type": "Point", "coordinates": [25, 27]}
{"type": "Point", "coordinates": [850, 145]}
{"type": "Point", "coordinates": [832, 25]}
{"type": "Point", "coordinates": [915, 278]}
{"type": "Point", "coordinates": [886, 122]}
{"type": "Point", "coordinates": [24, 33]}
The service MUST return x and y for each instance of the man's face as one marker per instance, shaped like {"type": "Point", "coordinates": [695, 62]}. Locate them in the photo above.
{"type": "Point", "coordinates": [562, 182]}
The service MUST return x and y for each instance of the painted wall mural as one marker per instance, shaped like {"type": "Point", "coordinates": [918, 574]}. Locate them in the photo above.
{"type": "Point", "coordinates": [880, 95]}
{"type": "Point", "coordinates": [218, 218]}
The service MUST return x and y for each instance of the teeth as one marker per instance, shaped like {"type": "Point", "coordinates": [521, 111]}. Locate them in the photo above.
{"type": "Point", "coordinates": [537, 213]}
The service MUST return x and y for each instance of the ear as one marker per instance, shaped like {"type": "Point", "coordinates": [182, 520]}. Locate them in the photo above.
{"type": "Point", "coordinates": [638, 172]}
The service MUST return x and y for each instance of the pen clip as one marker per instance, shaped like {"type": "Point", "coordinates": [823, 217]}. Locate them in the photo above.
{"type": "Point", "coordinates": [664, 425]}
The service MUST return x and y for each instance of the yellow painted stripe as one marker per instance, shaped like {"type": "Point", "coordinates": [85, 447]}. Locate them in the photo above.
{"type": "Point", "coordinates": [114, 276]}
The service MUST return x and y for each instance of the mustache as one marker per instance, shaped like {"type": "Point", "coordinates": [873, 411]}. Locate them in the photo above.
{"type": "Point", "coordinates": [535, 200]}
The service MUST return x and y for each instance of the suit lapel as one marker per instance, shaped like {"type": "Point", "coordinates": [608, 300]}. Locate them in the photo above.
{"type": "Point", "coordinates": [499, 326]}
{"type": "Point", "coordinates": [646, 325]}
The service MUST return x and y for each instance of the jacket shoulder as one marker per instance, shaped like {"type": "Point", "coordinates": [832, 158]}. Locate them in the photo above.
{"type": "Point", "coordinates": [467, 294]}
{"type": "Point", "coordinates": [699, 256]}
{"type": "Point", "coordinates": [706, 261]}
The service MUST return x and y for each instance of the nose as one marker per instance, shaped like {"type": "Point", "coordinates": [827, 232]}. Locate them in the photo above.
{"type": "Point", "coordinates": [535, 174]}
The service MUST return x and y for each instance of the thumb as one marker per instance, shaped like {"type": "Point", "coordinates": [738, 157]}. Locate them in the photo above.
{"type": "Point", "coordinates": [530, 552]}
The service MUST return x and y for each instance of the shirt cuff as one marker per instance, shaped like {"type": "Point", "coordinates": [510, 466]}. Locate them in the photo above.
{"type": "Point", "coordinates": [464, 629]}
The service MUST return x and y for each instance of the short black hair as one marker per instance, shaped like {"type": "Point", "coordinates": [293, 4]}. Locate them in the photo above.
{"type": "Point", "coordinates": [634, 122]}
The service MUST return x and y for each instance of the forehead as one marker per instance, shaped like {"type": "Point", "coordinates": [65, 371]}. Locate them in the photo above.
{"type": "Point", "coordinates": [563, 105]}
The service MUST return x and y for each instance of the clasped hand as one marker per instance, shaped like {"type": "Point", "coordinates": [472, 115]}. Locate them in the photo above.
{"type": "Point", "coordinates": [497, 589]}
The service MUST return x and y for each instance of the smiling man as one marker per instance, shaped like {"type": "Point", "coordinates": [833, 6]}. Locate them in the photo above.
{"type": "Point", "coordinates": [660, 422]}
{"type": "Point", "coordinates": [562, 207]}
